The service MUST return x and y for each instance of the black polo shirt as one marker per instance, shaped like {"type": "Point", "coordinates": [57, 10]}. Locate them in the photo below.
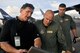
{"type": "Point", "coordinates": [25, 30]}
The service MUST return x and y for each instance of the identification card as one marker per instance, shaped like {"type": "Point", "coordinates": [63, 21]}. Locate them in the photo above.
{"type": "Point", "coordinates": [17, 40]}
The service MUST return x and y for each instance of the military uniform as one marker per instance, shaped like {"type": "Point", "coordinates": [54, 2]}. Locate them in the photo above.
{"type": "Point", "coordinates": [51, 36]}
{"type": "Point", "coordinates": [67, 24]}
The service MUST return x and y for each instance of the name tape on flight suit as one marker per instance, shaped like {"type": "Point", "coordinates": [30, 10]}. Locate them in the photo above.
{"type": "Point", "coordinates": [49, 31]}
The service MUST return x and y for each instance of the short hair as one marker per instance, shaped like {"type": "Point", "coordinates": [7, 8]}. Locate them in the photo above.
{"type": "Point", "coordinates": [62, 5]}
{"type": "Point", "coordinates": [50, 11]}
{"type": "Point", "coordinates": [27, 5]}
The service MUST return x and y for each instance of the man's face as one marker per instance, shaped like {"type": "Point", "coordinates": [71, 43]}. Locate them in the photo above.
{"type": "Point", "coordinates": [26, 13]}
{"type": "Point", "coordinates": [48, 18]}
{"type": "Point", "coordinates": [62, 10]}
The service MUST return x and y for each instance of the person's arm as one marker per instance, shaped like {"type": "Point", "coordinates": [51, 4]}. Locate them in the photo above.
{"type": "Point", "coordinates": [73, 27]}
{"type": "Point", "coordinates": [37, 38]}
{"type": "Point", "coordinates": [62, 41]}
{"type": "Point", "coordinates": [8, 48]}
{"type": "Point", "coordinates": [4, 36]}
{"type": "Point", "coordinates": [74, 32]}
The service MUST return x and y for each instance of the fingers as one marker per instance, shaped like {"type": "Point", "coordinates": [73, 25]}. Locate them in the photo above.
{"type": "Point", "coordinates": [22, 51]}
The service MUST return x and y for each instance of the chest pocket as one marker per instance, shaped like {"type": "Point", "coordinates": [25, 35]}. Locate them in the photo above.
{"type": "Point", "coordinates": [64, 22]}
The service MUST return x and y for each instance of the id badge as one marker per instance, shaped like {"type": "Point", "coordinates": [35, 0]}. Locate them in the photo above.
{"type": "Point", "coordinates": [17, 40]}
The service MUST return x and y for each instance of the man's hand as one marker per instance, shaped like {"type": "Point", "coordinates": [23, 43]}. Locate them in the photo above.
{"type": "Point", "coordinates": [37, 42]}
{"type": "Point", "coordinates": [21, 51]}
{"type": "Point", "coordinates": [67, 51]}
{"type": "Point", "coordinates": [74, 39]}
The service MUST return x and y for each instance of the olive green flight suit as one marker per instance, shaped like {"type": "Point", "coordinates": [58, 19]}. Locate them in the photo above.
{"type": "Point", "coordinates": [51, 36]}
{"type": "Point", "coordinates": [67, 24]}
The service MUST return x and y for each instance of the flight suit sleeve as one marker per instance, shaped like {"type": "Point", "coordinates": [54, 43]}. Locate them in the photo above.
{"type": "Point", "coordinates": [61, 40]}
{"type": "Point", "coordinates": [72, 24]}
{"type": "Point", "coordinates": [4, 36]}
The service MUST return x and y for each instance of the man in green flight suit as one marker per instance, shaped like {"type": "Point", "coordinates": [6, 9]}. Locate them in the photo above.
{"type": "Point", "coordinates": [67, 24]}
{"type": "Point", "coordinates": [51, 33]}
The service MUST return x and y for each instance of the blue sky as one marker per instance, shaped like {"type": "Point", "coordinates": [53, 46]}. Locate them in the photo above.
{"type": "Point", "coordinates": [12, 6]}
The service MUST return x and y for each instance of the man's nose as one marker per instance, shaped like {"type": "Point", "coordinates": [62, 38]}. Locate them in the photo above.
{"type": "Point", "coordinates": [48, 21]}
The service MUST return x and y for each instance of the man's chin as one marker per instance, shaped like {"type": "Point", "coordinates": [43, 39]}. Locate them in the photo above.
{"type": "Point", "coordinates": [25, 20]}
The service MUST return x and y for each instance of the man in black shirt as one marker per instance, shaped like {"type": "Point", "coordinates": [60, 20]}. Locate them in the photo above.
{"type": "Point", "coordinates": [18, 34]}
